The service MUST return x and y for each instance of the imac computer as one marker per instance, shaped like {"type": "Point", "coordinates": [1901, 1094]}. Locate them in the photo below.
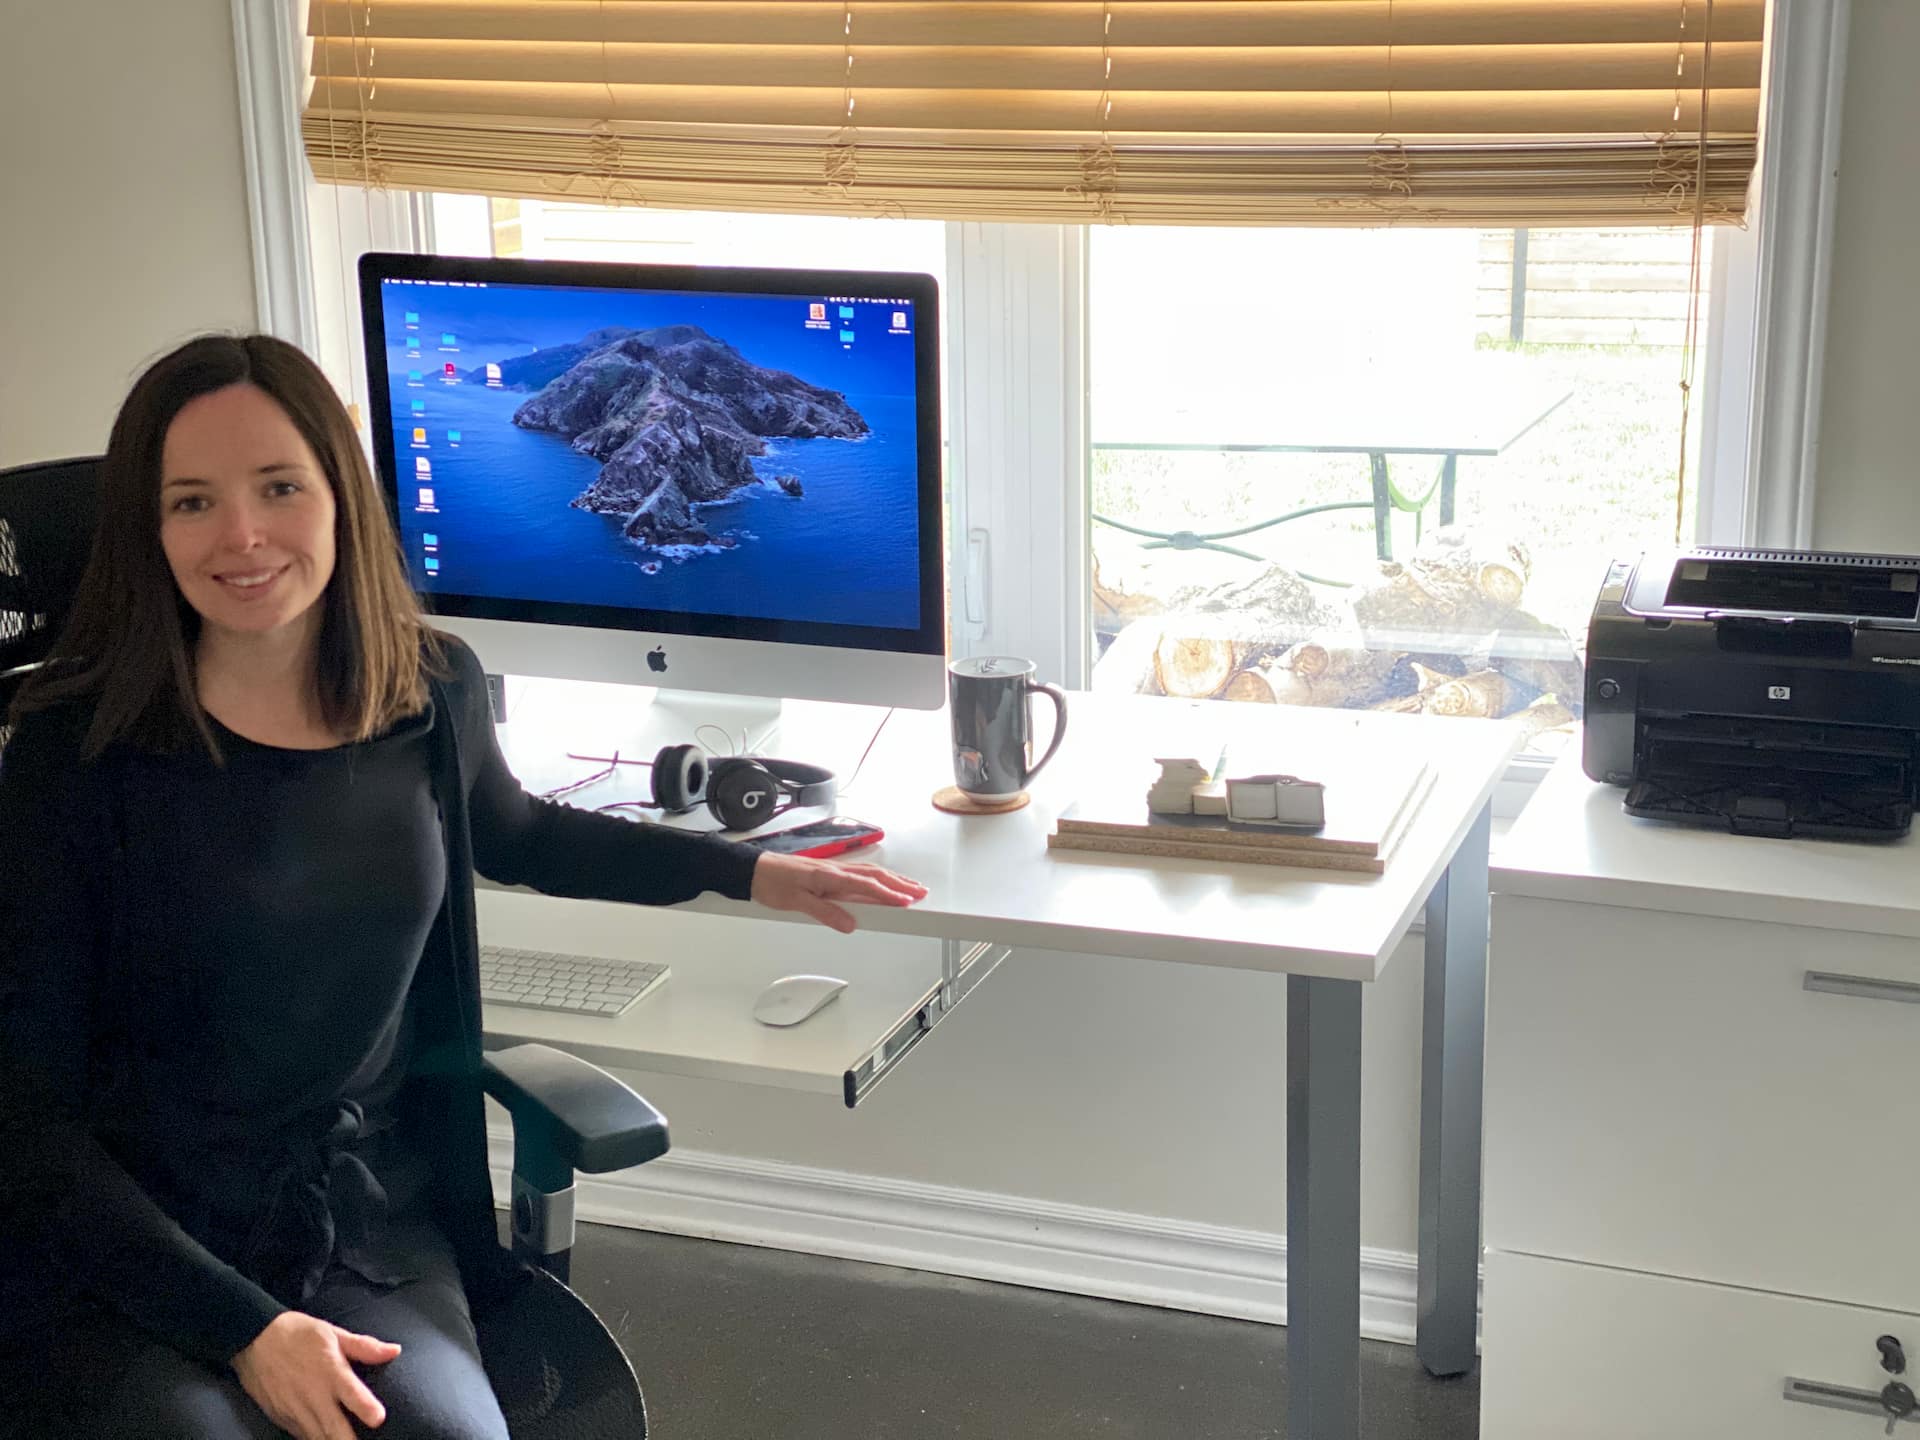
{"type": "Point", "coordinates": [703, 479]}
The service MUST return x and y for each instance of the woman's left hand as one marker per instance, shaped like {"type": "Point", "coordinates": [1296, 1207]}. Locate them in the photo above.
{"type": "Point", "coordinates": [812, 887]}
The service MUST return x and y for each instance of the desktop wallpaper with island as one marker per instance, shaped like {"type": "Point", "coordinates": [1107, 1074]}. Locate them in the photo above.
{"type": "Point", "coordinates": [740, 455]}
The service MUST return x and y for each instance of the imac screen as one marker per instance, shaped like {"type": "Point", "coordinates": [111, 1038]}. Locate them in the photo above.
{"type": "Point", "coordinates": [693, 452]}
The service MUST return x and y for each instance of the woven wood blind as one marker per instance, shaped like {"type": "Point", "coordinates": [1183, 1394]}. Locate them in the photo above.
{"type": "Point", "coordinates": [1264, 112]}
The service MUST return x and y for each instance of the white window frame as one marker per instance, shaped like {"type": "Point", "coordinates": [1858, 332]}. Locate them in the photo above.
{"type": "Point", "coordinates": [1017, 303]}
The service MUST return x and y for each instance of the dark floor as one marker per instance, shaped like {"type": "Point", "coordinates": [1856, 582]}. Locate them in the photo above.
{"type": "Point", "coordinates": [736, 1343]}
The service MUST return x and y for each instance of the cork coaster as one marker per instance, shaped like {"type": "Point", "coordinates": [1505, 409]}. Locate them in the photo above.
{"type": "Point", "coordinates": [956, 801]}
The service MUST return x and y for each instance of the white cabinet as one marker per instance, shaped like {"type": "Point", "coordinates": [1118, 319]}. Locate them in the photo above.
{"type": "Point", "coordinates": [1702, 1126]}
{"type": "Point", "coordinates": [1664, 1094]}
{"type": "Point", "coordinates": [1578, 1352]}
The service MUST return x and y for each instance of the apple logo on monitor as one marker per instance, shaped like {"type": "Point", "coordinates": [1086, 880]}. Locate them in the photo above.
{"type": "Point", "coordinates": [657, 658]}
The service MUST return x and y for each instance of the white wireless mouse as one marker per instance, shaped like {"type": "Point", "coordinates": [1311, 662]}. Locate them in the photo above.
{"type": "Point", "coordinates": [792, 998]}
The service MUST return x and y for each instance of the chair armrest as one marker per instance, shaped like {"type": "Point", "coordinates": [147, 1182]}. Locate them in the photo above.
{"type": "Point", "coordinates": [568, 1112]}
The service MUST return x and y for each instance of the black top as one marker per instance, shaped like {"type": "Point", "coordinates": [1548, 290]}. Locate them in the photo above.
{"type": "Point", "coordinates": [227, 994]}
{"type": "Point", "coordinates": [291, 913]}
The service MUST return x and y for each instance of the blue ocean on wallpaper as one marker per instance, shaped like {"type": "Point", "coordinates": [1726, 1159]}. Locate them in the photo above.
{"type": "Point", "coordinates": [843, 549]}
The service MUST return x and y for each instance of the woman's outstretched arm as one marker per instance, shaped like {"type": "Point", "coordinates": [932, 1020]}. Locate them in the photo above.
{"type": "Point", "coordinates": [521, 840]}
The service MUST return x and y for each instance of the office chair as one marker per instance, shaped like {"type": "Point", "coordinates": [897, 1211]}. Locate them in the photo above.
{"type": "Point", "coordinates": [47, 515]}
{"type": "Point", "coordinates": [559, 1373]}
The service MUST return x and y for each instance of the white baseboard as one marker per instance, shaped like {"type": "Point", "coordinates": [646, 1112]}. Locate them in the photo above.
{"type": "Point", "coordinates": [1175, 1265]}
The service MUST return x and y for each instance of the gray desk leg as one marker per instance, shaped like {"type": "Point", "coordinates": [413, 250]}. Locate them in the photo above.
{"type": "Point", "coordinates": [1452, 1054]}
{"type": "Point", "coordinates": [1323, 1208]}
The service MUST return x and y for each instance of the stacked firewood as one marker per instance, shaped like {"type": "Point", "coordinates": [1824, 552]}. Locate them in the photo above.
{"type": "Point", "coordinates": [1443, 633]}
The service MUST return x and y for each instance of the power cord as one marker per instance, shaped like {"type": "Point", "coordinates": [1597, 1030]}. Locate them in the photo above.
{"type": "Point", "coordinates": [861, 765]}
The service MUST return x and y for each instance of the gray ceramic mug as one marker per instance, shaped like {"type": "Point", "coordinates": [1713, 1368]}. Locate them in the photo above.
{"type": "Point", "coordinates": [991, 697]}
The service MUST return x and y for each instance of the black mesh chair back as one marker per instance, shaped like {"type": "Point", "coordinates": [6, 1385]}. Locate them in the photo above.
{"type": "Point", "coordinates": [47, 516]}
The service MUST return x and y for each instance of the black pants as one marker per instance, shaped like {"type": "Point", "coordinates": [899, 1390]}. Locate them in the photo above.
{"type": "Point", "coordinates": [100, 1377]}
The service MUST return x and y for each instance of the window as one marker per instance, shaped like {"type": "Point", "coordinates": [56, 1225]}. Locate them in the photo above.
{"type": "Point", "coordinates": [1248, 396]}
{"type": "Point", "coordinates": [1378, 468]}
{"type": "Point", "coordinates": [1118, 393]}
{"type": "Point", "coordinates": [1404, 402]}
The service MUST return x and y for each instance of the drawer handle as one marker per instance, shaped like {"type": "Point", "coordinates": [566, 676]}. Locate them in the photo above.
{"type": "Point", "coordinates": [1862, 988]}
{"type": "Point", "coordinates": [1843, 1397]}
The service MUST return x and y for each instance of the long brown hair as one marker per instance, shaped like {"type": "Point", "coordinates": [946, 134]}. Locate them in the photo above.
{"type": "Point", "coordinates": [129, 644]}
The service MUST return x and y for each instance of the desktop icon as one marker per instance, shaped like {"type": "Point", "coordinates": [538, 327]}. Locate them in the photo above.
{"type": "Point", "coordinates": [446, 337]}
{"type": "Point", "coordinates": [426, 498]}
{"type": "Point", "coordinates": [415, 377]}
{"type": "Point", "coordinates": [816, 312]}
{"type": "Point", "coordinates": [422, 466]}
{"type": "Point", "coordinates": [453, 437]}
{"type": "Point", "coordinates": [433, 566]}
{"type": "Point", "coordinates": [449, 372]}
{"type": "Point", "coordinates": [846, 312]}
{"type": "Point", "coordinates": [429, 539]}
{"type": "Point", "coordinates": [846, 337]}
{"type": "Point", "coordinates": [419, 407]}
{"type": "Point", "coordinates": [413, 317]}
{"type": "Point", "coordinates": [493, 374]}
{"type": "Point", "coordinates": [419, 434]}
{"type": "Point", "coordinates": [899, 319]}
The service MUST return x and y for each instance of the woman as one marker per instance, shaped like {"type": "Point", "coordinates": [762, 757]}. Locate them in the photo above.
{"type": "Point", "coordinates": [245, 1178]}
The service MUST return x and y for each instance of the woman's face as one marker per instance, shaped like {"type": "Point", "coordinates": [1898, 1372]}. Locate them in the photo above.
{"type": "Point", "coordinates": [246, 514]}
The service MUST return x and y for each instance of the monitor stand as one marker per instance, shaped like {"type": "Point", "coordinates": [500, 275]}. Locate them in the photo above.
{"type": "Point", "coordinates": [637, 720]}
{"type": "Point", "coordinates": [750, 723]}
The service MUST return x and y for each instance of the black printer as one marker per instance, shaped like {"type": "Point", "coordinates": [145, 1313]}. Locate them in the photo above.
{"type": "Point", "coordinates": [1765, 692]}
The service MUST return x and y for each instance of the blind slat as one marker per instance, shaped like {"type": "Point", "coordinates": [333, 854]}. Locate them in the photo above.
{"type": "Point", "coordinates": [1077, 22]}
{"type": "Point", "coordinates": [1178, 113]}
{"type": "Point", "coordinates": [1264, 68]}
{"type": "Point", "coordinates": [1480, 112]}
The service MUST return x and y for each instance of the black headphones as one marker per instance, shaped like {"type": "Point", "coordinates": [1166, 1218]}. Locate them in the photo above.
{"type": "Point", "coordinates": [742, 791]}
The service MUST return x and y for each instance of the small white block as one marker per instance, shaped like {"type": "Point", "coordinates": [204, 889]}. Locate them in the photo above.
{"type": "Point", "coordinates": [1276, 800]}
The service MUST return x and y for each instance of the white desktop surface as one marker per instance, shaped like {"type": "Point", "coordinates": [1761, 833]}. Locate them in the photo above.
{"type": "Point", "coordinates": [992, 878]}
{"type": "Point", "coordinates": [1574, 842]}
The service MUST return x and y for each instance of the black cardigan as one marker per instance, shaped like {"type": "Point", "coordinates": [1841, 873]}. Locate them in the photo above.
{"type": "Point", "coordinates": [73, 1221]}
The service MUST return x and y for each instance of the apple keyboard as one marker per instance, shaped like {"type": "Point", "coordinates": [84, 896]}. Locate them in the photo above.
{"type": "Point", "coordinates": [575, 984]}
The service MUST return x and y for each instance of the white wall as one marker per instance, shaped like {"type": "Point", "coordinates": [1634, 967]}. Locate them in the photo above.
{"type": "Point", "coordinates": [123, 214]}
{"type": "Point", "coordinates": [1869, 472]}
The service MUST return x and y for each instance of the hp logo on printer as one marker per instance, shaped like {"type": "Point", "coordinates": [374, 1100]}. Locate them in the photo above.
{"type": "Point", "coordinates": [1779, 692]}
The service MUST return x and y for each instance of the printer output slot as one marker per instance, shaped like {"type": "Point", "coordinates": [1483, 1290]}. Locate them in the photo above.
{"type": "Point", "coordinates": [1779, 779]}
{"type": "Point", "coordinates": [1827, 586]}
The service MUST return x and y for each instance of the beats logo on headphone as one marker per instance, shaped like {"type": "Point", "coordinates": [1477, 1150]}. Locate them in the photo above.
{"type": "Point", "coordinates": [742, 791]}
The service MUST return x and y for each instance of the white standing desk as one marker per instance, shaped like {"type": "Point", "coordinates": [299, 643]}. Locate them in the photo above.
{"type": "Point", "coordinates": [993, 884]}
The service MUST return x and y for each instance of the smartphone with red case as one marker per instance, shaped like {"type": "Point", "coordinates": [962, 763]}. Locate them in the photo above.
{"type": "Point", "coordinates": [821, 838]}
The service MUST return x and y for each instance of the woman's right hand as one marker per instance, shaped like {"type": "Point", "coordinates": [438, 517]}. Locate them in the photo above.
{"type": "Point", "coordinates": [296, 1370]}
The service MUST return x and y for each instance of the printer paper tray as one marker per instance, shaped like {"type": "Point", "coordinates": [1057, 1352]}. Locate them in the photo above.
{"type": "Point", "coordinates": [1775, 778]}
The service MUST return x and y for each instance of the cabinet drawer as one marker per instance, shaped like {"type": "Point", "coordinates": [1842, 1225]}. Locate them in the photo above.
{"type": "Point", "coordinates": [1664, 1094]}
{"type": "Point", "coordinates": [1577, 1352]}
